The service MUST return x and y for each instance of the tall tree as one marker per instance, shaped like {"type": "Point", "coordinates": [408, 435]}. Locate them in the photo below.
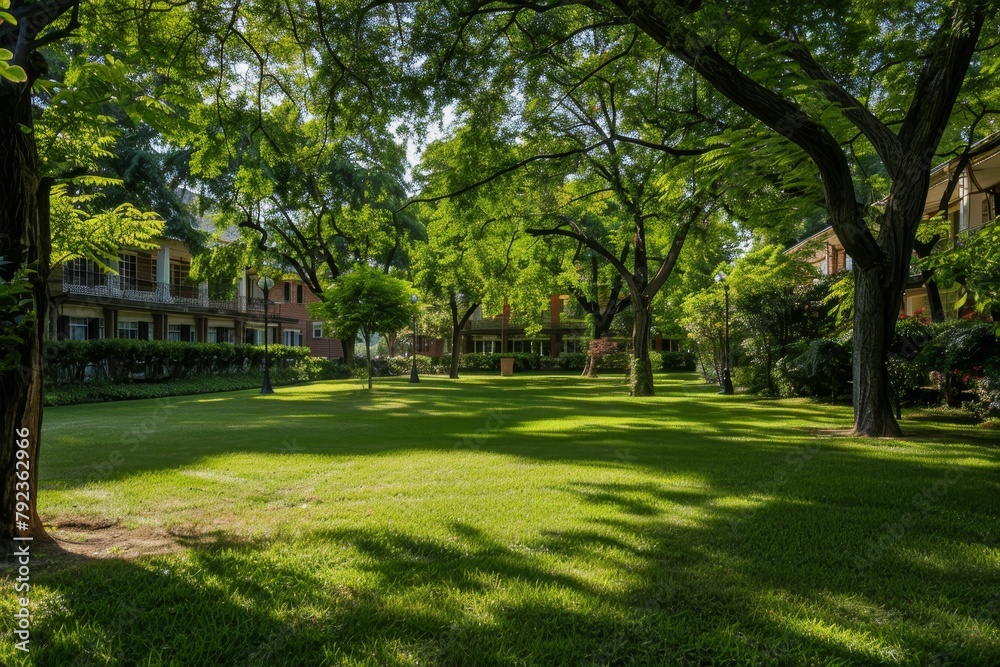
{"type": "Point", "coordinates": [834, 81]}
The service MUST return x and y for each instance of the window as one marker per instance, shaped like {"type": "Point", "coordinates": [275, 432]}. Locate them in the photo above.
{"type": "Point", "coordinates": [128, 329]}
{"type": "Point", "coordinates": [288, 292]}
{"type": "Point", "coordinates": [298, 294]}
{"type": "Point", "coordinates": [174, 332]}
{"type": "Point", "coordinates": [128, 271]}
{"type": "Point", "coordinates": [78, 328]}
{"type": "Point", "coordinates": [293, 337]}
{"type": "Point", "coordinates": [82, 271]}
{"type": "Point", "coordinates": [317, 329]}
{"type": "Point", "coordinates": [486, 346]}
{"type": "Point", "coordinates": [848, 263]}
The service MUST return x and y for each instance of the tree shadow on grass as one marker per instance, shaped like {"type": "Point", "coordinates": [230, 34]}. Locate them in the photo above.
{"type": "Point", "coordinates": [778, 583]}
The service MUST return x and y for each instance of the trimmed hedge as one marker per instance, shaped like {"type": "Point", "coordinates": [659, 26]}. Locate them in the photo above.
{"type": "Point", "coordinates": [124, 360]}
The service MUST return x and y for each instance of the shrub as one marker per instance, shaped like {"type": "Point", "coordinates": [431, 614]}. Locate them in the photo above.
{"type": "Point", "coordinates": [822, 370]}
{"type": "Point", "coordinates": [677, 361]}
{"type": "Point", "coordinates": [123, 360]}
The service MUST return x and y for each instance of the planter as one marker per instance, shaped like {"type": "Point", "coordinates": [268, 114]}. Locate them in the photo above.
{"type": "Point", "coordinates": [506, 366]}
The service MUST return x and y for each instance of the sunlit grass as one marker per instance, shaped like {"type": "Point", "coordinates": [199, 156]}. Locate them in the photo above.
{"type": "Point", "coordinates": [530, 520]}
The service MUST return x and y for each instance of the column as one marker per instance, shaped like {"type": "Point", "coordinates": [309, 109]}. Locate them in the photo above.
{"type": "Point", "coordinates": [110, 323]}
{"type": "Point", "coordinates": [241, 291]}
{"type": "Point", "coordinates": [160, 327]}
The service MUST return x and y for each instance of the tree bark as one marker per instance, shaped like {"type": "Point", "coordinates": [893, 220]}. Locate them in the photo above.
{"type": "Point", "coordinates": [873, 413]}
{"type": "Point", "coordinates": [457, 324]}
{"type": "Point", "coordinates": [348, 347]}
{"type": "Point", "coordinates": [641, 375]}
{"type": "Point", "coordinates": [25, 243]}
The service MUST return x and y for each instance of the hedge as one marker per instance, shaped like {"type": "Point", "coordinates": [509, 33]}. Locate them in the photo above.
{"type": "Point", "coordinates": [124, 360]}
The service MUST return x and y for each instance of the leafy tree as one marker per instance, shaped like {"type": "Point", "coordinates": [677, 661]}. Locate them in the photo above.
{"type": "Point", "coordinates": [365, 301]}
{"type": "Point", "coordinates": [775, 303]}
{"type": "Point", "coordinates": [973, 265]}
{"type": "Point", "coordinates": [864, 96]}
{"type": "Point", "coordinates": [67, 119]}
{"type": "Point", "coordinates": [476, 254]}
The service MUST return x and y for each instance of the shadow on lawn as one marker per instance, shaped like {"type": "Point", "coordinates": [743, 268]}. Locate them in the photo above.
{"type": "Point", "coordinates": [800, 554]}
{"type": "Point", "coordinates": [769, 586]}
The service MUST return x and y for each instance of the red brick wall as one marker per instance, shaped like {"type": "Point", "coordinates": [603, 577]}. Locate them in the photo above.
{"type": "Point", "coordinates": [321, 347]}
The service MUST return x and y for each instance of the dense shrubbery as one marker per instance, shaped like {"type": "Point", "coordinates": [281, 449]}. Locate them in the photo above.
{"type": "Point", "coordinates": [117, 368]}
{"type": "Point", "coordinates": [678, 361]}
{"type": "Point", "coordinates": [122, 359]}
{"type": "Point", "coordinates": [475, 361]}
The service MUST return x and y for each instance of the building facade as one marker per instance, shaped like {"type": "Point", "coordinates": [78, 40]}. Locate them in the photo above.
{"type": "Point", "coordinates": [152, 297]}
{"type": "Point", "coordinates": [971, 205]}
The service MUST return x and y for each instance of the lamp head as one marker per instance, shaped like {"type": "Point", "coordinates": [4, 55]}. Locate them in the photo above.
{"type": "Point", "coordinates": [265, 283]}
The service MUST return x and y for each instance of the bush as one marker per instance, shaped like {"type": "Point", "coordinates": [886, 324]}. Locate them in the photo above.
{"type": "Point", "coordinates": [677, 361]}
{"type": "Point", "coordinates": [823, 370]}
{"type": "Point", "coordinates": [123, 360]}
{"type": "Point", "coordinates": [104, 390]}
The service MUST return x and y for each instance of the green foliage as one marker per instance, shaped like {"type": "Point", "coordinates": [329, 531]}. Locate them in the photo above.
{"type": "Point", "coordinates": [15, 317]}
{"type": "Point", "coordinates": [366, 301]}
{"type": "Point", "coordinates": [972, 265]}
{"type": "Point", "coordinates": [823, 370]}
{"type": "Point", "coordinates": [678, 361]}
{"type": "Point", "coordinates": [123, 360]}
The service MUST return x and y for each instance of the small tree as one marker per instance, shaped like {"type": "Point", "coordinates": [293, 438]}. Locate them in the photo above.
{"type": "Point", "coordinates": [365, 301]}
{"type": "Point", "coordinates": [599, 347]}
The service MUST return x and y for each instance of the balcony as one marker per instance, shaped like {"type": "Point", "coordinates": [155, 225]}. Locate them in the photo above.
{"type": "Point", "coordinates": [109, 286]}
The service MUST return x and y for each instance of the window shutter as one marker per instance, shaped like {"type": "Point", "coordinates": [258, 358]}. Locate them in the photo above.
{"type": "Point", "coordinates": [186, 332]}
{"type": "Point", "coordinates": [143, 330]}
{"type": "Point", "coordinates": [298, 293]}
{"type": "Point", "coordinates": [288, 292]}
{"type": "Point", "coordinates": [93, 328]}
{"type": "Point", "coordinates": [62, 333]}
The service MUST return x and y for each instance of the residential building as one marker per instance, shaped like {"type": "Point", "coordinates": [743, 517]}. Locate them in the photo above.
{"type": "Point", "coordinates": [972, 204]}
{"type": "Point", "coordinates": [152, 297]}
{"type": "Point", "coordinates": [565, 328]}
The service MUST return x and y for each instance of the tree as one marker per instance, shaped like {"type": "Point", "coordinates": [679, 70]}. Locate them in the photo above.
{"type": "Point", "coordinates": [297, 147]}
{"type": "Point", "coordinates": [775, 303]}
{"type": "Point", "coordinates": [476, 254]}
{"type": "Point", "coordinates": [30, 183]}
{"type": "Point", "coordinates": [836, 83]}
{"type": "Point", "coordinates": [973, 265]}
{"type": "Point", "coordinates": [365, 301]}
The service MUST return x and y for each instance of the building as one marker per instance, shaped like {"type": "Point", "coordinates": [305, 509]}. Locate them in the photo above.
{"type": "Point", "coordinates": [973, 204]}
{"type": "Point", "coordinates": [565, 329]}
{"type": "Point", "coordinates": [152, 297]}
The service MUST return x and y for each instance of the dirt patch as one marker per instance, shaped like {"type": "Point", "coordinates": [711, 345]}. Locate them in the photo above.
{"type": "Point", "coordinates": [73, 538]}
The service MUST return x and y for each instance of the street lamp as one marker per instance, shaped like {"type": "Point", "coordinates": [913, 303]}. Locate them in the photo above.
{"type": "Point", "coordinates": [727, 380]}
{"type": "Point", "coordinates": [413, 372]}
{"type": "Point", "coordinates": [265, 284]}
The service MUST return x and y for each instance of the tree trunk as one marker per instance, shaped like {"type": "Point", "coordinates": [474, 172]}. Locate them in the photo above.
{"type": "Point", "coordinates": [368, 358]}
{"type": "Point", "coordinates": [348, 347]}
{"type": "Point", "coordinates": [457, 324]}
{"type": "Point", "coordinates": [641, 373]}
{"type": "Point", "coordinates": [25, 243]}
{"type": "Point", "coordinates": [933, 297]}
{"type": "Point", "coordinates": [600, 326]}
{"type": "Point", "coordinates": [873, 413]}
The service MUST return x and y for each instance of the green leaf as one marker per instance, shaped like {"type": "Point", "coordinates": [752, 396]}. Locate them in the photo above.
{"type": "Point", "coordinates": [8, 18]}
{"type": "Point", "coordinates": [14, 73]}
{"type": "Point", "coordinates": [5, 54]}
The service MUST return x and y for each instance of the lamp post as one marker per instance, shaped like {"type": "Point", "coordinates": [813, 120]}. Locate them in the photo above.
{"type": "Point", "coordinates": [265, 284]}
{"type": "Point", "coordinates": [727, 380]}
{"type": "Point", "coordinates": [413, 372]}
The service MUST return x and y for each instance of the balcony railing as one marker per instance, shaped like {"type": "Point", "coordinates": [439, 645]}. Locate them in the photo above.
{"type": "Point", "coordinates": [110, 286]}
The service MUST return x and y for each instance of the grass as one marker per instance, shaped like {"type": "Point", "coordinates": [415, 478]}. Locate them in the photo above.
{"type": "Point", "coordinates": [534, 520]}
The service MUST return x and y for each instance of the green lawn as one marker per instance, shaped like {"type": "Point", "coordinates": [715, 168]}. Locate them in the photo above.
{"type": "Point", "coordinates": [535, 520]}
